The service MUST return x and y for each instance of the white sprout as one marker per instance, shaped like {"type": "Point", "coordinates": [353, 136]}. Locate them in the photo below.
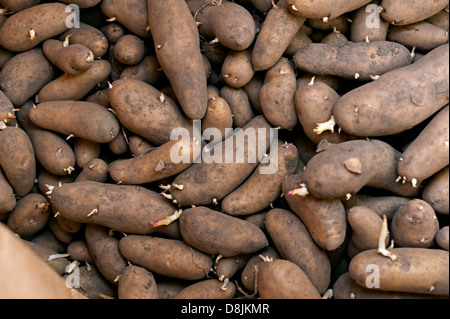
{"type": "Point", "coordinates": [168, 220]}
{"type": "Point", "coordinates": [325, 126]}
{"type": "Point", "coordinates": [382, 241]}
{"type": "Point", "coordinates": [302, 191]}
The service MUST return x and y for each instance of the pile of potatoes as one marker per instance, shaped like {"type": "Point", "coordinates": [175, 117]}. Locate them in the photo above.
{"type": "Point", "coordinates": [357, 91]}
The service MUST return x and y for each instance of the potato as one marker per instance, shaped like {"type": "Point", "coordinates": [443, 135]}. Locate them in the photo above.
{"type": "Point", "coordinates": [167, 257]}
{"type": "Point", "coordinates": [218, 117]}
{"type": "Point", "coordinates": [47, 178]}
{"type": "Point", "coordinates": [435, 192]}
{"type": "Point", "coordinates": [278, 30]}
{"type": "Point", "coordinates": [422, 36]}
{"type": "Point", "coordinates": [410, 11]}
{"type": "Point", "coordinates": [339, 24]}
{"type": "Point", "coordinates": [7, 111]}
{"type": "Point", "coordinates": [276, 96]}
{"type": "Point", "coordinates": [366, 227]}
{"type": "Point", "coordinates": [229, 22]}
{"type": "Point", "coordinates": [263, 187]}
{"type": "Point", "coordinates": [129, 49]}
{"type": "Point", "coordinates": [18, 5]}
{"type": "Point", "coordinates": [367, 111]}
{"type": "Point", "coordinates": [415, 270]}
{"type": "Point", "coordinates": [30, 215]}
{"type": "Point", "coordinates": [51, 151]}
{"type": "Point", "coordinates": [334, 38]}
{"type": "Point", "coordinates": [88, 36]}
{"type": "Point", "coordinates": [81, 119]}
{"type": "Point", "coordinates": [239, 104]}
{"type": "Point", "coordinates": [214, 232]}
{"type": "Point", "coordinates": [7, 199]}
{"type": "Point", "coordinates": [96, 170]}
{"type": "Point", "coordinates": [139, 146]}
{"type": "Point", "coordinates": [62, 234]}
{"type": "Point", "coordinates": [47, 239]}
{"type": "Point", "coordinates": [131, 14]}
{"type": "Point", "coordinates": [17, 159]}
{"type": "Point", "coordinates": [146, 111]}
{"type": "Point", "coordinates": [29, 27]}
{"type": "Point", "coordinates": [148, 70]}
{"type": "Point", "coordinates": [48, 256]}
{"type": "Point", "coordinates": [341, 170]}
{"type": "Point", "coordinates": [119, 145]}
{"type": "Point", "coordinates": [24, 75]}
{"type": "Point", "coordinates": [299, 40]}
{"type": "Point", "coordinates": [226, 267]}
{"type": "Point", "coordinates": [325, 219]}
{"type": "Point", "coordinates": [321, 9]}
{"type": "Point", "coordinates": [85, 151]}
{"type": "Point", "coordinates": [442, 238]}
{"type": "Point", "coordinates": [94, 285]}
{"type": "Point", "coordinates": [179, 54]}
{"type": "Point", "coordinates": [252, 89]}
{"type": "Point", "coordinates": [75, 87]}
{"type": "Point", "coordinates": [382, 205]}
{"type": "Point", "coordinates": [440, 19]}
{"type": "Point", "coordinates": [105, 251]}
{"type": "Point", "coordinates": [428, 153]}
{"type": "Point", "coordinates": [113, 31]}
{"type": "Point", "coordinates": [169, 288]}
{"type": "Point", "coordinates": [263, 5]}
{"type": "Point", "coordinates": [72, 59]}
{"type": "Point", "coordinates": [237, 69]}
{"type": "Point", "coordinates": [414, 225]}
{"type": "Point", "coordinates": [294, 243]}
{"type": "Point", "coordinates": [283, 279]}
{"type": "Point", "coordinates": [155, 165]}
{"type": "Point", "coordinates": [367, 59]}
{"type": "Point", "coordinates": [82, 3]}
{"type": "Point", "coordinates": [78, 250]}
{"type": "Point", "coordinates": [314, 103]}
{"type": "Point", "coordinates": [208, 289]}
{"type": "Point", "coordinates": [367, 24]}
{"type": "Point", "coordinates": [205, 182]}
{"type": "Point", "coordinates": [137, 283]}
{"type": "Point", "coordinates": [5, 55]}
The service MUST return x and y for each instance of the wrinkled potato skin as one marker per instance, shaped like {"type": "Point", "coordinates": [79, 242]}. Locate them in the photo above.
{"type": "Point", "coordinates": [422, 36]}
{"type": "Point", "coordinates": [410, 11]}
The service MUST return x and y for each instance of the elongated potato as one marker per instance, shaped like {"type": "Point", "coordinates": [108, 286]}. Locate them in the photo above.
{"type": "Point", "coordinates": [263, 187]}
{"type": "Point", "coordinates": [18, 5]}
{"type": "Point", "coordinates": [415, 270]}
{"type": "Point", "coordinates": [214, 232]}
{"type": "Point", "coordinates": [96, 170]}
{"type": "Point", "coordinates": [440, 19]}
{"type": "Point", "coordinates": [81, 119]}
{"type": "Point", "coordinates": [436, 192]}
{"type": "Point", "coordinates": [366, 227]}
{"type": "Point", "coordinates": [145, 110]}
{"type": "Point", "coordinates": [75, 87]}
{"type": "Point", "coordinates": [168, 257]}
{"type": "Point", "coordinates": [382, 205]}
{"type": "Point", "coordinates": [419, 89]}
{"type": "Point", "coordinates": [341, 170]}
{"type": "Point", "coordinates": [205, 182]}
{"type": "Point", "coordinates": [29, 27]}
{"type": "Point", "coordinates": [428, 153]}
{"type": "Point", "coordinates": [325, 219]}
{"type": "Point", "coordinates": [294, 243]}
{"type": "Point", "coordinates": [137, 283]}
{"type": "Point", "coordinates": [88, 36]}
{"type": "Point", "coordinates": [85, 151]}
{"type": "Point", "coordinates": [276, 96]}
{"type": "Point", "coordinates": [442, 238]}
{"type": "Point", "coordinates": [321, 9]}
{"type": "Point", "coordinates": [7, 112]}
{"type": "Point", "coordinates": [71, 59]}
{"type": "Point", "coordinates": [208, 289]}
{"type": "Point", "coordinates": [250, 272]}
{"type": "Point", "coordinates": [24, 75]}
{"type": "Point", "coordinates": [179, 54]}
{"type": "Point", "coordinates": [409, 11]}
{"type": "Point", "coordinates": [279, 28]}
{"type": "Point", "coordinates": [148, 70]}
{"type": "Point", "coordinates": [239, 104]}
{"type": "Point", "coordinates": [283, 279]}
{"type": "Point", "coordinates": [7, 198]}
{"type": "Point", "coordinates": [121, 207]}
{"type": "Point", "coordinates": [367, 24]}
{"type": "Point", "coordinates": [17, 159]}
{"type": "Point", "coordinates": [367, 59]}
{"type": "Point", "coordinates": [226, 267]}
{"type": "Point", "coordinates": [414, 225]}
{"type": "Point", "coordinates": [218, 117]}
{"type": "Point", "coordinates": [131, 14]}
{"type": "Point", "coordinates": [105, 251]}
{"type": "Point", "coordinates": [299, 40]}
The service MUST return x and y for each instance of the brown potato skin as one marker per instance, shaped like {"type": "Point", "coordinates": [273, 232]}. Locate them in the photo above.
{"type": "Point", "coordinates": [78, 250]}
{"type": "Point", "coordinates": [73, 59]}
{"type": "Point", "coordinates": [7, 112]}
{"type": "Point", "coordinates": [75, 87]}
{"type": "Point", "coordinates": [334, 38]}
{"type": "Point", "coordinates": [420, 90]}
{"type": "Point", "coordinates": [47, 20]}
{"type": "Point", "coordinates": [359, 29]}
{"type": "Point", "coordinates": [7, 198]}
{"type": "Point", "coordinates": [366, 227]}
{"type": "Point", "coordinates": [24, 75]}
{"type": "Point", "coordinates": [410, 11]}
{"type": "Point", "coordinates": [30, 215]}
{"type": "Point", "coordinates": [85, 151]}
{"type": "Point", "coordinates": [218, 116]}
{"type": "Point", "coordinates": [96, 170]}
{"type": "Point", "coordinates": [239, 104]}
{"type": "Point", "coordinates": [148, 70]}
{"type": "Point", "coordinates": [237, 69]}
{"type": "Point", "coordinates": [137, 283]}
{"type": "Point", "coordinates": [58, 265]}
{"type": "Point", "coordinates": [129, 49]}
{"type": "Point", "coordinates": [94, 285]}
{"type": "Point", "coordinates": [276, 96]}
{"type": "Point", "coordinates": [442, 238]}
{"type": "Point", "coordinates": [283, 279]}
{"type": "Point", "coordinates": [367, 58]}
{"type": "Point", "coordinates": [139, 109]}
{"type": "Point", "coordinates": [214, 232]}
{"type": "Point", "coordinates": [436, 192]}
{"type": "Point", "coordinates": [329, 174]}
{"type": "Point", "coordinates": [261, 189]}
{"type": "Point", "coordinates": [118, 200]}
{"type": "Point", "coordinates": [17, 159]}
{"type": "Point", "coordinates": [88, 36]}
{"type": "Point", "coordinates": [82, 3]}
{"type": "Point", "coordinates": [18, 5]}
{"type": "Point", "coordinates": [139, 146]}
{"type": "Point", "coordinates": [416, 270]}
{"type": "Point", "coordinates": [179, 54]}
{"type": "Point", "coordinates": [415, 225]}
{"type": "Point", "coordinates": [167, 257]}
{"type": "Point", "coordinates": [440, 19]}
{"type": "Point", "coordinates": [86, 120]}
{"type": "Point", "coordinates": [208, 289]}
{"type": "Point", "coordinates": [428, 153]}
{"type": "Point", "coordinates": [299, 40]}
{"type": "Point", "coordinates": [279, 28]}
{"type": "Point", "coordinates": [227, 267]}
{"type": "Point", "coordinates": [325, 219]}
{"type": "Point", "coordinates": [382, 205]}
{"type": "Point", "coordinates": [131, 14]}
{"type": "Point", "coordinates": [319, 9]}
